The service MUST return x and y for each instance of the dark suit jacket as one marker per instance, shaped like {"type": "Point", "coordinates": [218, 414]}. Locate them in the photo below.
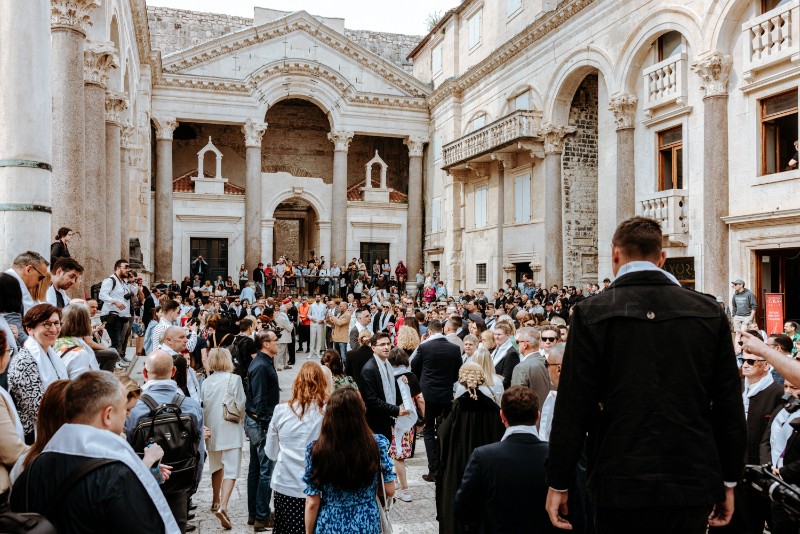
{"type": "Point", "coordinates": [677, 385]}
{"type": "Point", "coordinates": [147, 311]}
{"type": "Point", "coordinates": [355, 360]}
{"type": "Point", "coordinates": [759, 418]}
{"type": "Point", "coordinates": [504, 487]}
{"type": "Point", "coordinates": [436, 365]}
{"type": "Point", "coordinates": [379, 412]}
{"type": "Point", "coordinates": [505, 367]}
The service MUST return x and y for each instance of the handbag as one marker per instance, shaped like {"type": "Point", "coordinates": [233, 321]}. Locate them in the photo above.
{"type": "Point", "coordinates": [230, 412]}
{"type": "Point", "coordinates": [384, 508]}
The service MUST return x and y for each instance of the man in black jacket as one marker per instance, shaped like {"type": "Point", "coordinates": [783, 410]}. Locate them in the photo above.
{"type": "Point", "coordinates": [263, 394]}
{"type": "Point", "coordinates": [378, 388]}
{"type": "Point", "coordinates": [436, 365]}
{"type": "Point", "coordinates": [664, 415]}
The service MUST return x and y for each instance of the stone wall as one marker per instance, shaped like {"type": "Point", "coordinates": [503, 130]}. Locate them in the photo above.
{"type": "Point", "coordinates": [579, 172]}
{"type": "Point", "coordinates": [172, 30]}
{"type": "Point", "coordinates": [287, 239]}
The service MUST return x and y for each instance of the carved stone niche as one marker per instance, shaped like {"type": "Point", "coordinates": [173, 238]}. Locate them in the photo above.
{"type": "Point", "coordinates": [378, 194]}
{"type": "Point", "coordinates": [209, 186]}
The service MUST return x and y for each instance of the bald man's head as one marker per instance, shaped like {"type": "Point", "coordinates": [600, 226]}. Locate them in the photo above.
{"type": "Point", "coordinates": [556, 354]}
{"type": "Point", "coordinates": [175, 338]}
{"type": "Point", "coordinates": [158, 366]}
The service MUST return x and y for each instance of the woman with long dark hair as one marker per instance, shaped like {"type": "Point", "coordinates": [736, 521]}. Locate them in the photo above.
{"type": "Point", "coordinates": [343, 469]}
{"type": "Point", "coordinates": [59, 248]}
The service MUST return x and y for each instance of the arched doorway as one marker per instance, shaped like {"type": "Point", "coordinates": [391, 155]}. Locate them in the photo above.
{"type": "Point", "coordinates": [296, 233]}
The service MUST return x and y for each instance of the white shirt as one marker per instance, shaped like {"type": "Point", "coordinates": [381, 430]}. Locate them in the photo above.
{"type": "Point", "coordinates": [546, 421]}
{"type": "Point", "coordinates": [110, 292]}
{"type": "Point", "coordinates": [520, 429]}
{"type": "Point", "coordinates": [161, 328]}
{"type": "Point", "coordinates": [50, 297]}
{"type": "Point", "coordinates": [317, 312]}
{"type": "Point", "coordinates": [639, 266]}
{"type": "Point", "coordinates": [27, 300]}
{"type": "Point", "coordinates": [287, 439]}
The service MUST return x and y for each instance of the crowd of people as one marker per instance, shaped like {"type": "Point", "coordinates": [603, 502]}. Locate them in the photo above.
{"type": "Point", "coordinates": [625, 401]}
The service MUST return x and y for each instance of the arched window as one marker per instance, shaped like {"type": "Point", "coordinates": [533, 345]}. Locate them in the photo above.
{"type": "Point", "coordinates": [478, 122]}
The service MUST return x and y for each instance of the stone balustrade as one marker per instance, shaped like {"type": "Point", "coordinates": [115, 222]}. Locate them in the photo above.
{"type": "Point", "coordinates": [771, 38]}
{"type": "Point", "coordinates": [665, 83]}
{"type": "Point", "coordinates": [504, 131]}
{"type": "Point", "coordinates": [669, 209]}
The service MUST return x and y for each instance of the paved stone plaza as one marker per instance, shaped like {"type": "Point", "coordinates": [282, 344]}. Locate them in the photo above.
{"type": "Point", "coordinates": [418, 516]}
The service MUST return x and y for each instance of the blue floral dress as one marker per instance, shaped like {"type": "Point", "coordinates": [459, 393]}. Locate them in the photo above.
{"type": "Point", "coordinates": [343, 511]}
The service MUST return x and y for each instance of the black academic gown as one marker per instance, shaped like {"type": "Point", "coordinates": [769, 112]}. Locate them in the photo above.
{"type": "Point", "coordinates": [470, 424]}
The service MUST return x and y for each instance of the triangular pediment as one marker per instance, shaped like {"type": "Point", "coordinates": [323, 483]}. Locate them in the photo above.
{"type": "Point", "coordinates": [297, 39]}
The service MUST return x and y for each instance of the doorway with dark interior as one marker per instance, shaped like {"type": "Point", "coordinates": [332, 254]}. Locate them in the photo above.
{"type": "Point", "coordinates": [214, 251]}
{"type": "Point", "coordinates": [369, 252]}
{"type": "Point", "coordinates": [778, 271]}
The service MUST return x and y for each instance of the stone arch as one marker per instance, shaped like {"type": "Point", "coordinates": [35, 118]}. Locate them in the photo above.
{"type": "Point", "coordinates": [723, 23]}
{"type": "Point", "coordinates": [475, 115]}
{"type": "Point", "coordinates": [569, 76]}
{"type": "Point", "coordinates": [636, 47]}
{"type": "Point", "coordinates": [306, 196]}
{"type": "Point", "coordinates": [297, 137]}
{"type": "Point", "coordinates": [536, 101]}
{"type": "Point", "coordinates": [115, 77]}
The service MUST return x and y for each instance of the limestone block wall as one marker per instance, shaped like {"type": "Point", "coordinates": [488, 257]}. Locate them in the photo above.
{"type": "Point", "coordinates": [579, 173]}
{"type": "Point", "coordinates": [393, 47]}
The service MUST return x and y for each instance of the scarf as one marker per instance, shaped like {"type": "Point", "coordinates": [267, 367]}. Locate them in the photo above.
{"type": "Point", "coordinates": [387, 373]}
{"type": "Point", "coordinates": [50, 366]}
{"type": "Point", "coordinates": [500, 352]}
{"type": "Point", "coordinates": [91, 442]}
{"type": "Point", "coordinates": [755, 389]}
{"type": "Point", "coordinates": [406, 422]}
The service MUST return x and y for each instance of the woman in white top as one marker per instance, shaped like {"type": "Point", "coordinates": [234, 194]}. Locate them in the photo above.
{"type": "Point", "coordinates": [294, 425]}
{"type": "Point", "coordinates": [225, 444]}
{"type": "Point", "coordinates": [70, 346]}
{"type": "Point", "coordinates": [493, 383]}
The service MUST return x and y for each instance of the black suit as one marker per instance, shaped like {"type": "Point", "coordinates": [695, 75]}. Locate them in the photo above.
{"type": "Point", "coordinates": [355, 360]}
{"type": "Point", "coordinates": [379, 412]}
{"type": "Point", "coordinates": [504, 488]}
{"type": "Point", "coordinates": [505, 367]}
{"type": "Point", "coordinates": [664, 415]}
{"type": "Point", "coordinates": [436, 365]}
{"type": "Point", "coordinates": [147, 313]}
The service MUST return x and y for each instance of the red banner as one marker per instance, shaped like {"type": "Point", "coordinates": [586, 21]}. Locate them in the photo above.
{"type": "Point", "coordinates": [774, 303]}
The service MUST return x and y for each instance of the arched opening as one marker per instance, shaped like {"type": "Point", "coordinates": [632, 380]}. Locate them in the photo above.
{"type": "Point", "coordinates": [296, 232]}
{"type": "Point", "coordinates": [296, 140]}
{"type": "Point", "coordinates": [115, 77]}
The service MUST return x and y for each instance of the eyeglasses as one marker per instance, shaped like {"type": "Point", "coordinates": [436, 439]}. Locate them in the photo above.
{"type": "Point", "coordinates": [51, 324]}
{"type": "Point", "coordinates": [383, 345]}
{"type": "Point", "coordinates": [547, 365]}
{"type": "Point", "coordinates": [41, 276]}
{"type": "Point", "coordinates": [549, 339]}
{"type": "Point", "coordinates": [749, 361]}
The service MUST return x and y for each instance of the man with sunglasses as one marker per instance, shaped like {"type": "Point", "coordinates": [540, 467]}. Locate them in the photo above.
{"type": "Point", "coordinates": [29, 269]}
{"type": "Point", "coordinates": [116, 296]}
{"type": "Point", "coordinates": [550, 336]}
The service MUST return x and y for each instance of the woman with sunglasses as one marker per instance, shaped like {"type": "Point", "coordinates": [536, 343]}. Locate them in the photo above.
{"type": "Point", "coordinates": [37, 365]}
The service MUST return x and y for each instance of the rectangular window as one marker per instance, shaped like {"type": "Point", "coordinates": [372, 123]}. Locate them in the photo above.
{"type": "Point", "coordinates": [522, 198]}
{"type": "Point", "coordinates": [670, 44]}
{"type": "Point", "coordinates": [522, 101]}
{"type": "Point", "coordinates": [670, 159]}
{"type": "Point", "coordinates": [769, 5]}
{"type": "Point", "coordinates": [480, 273]}
{"type": "Point", "coordinates": [512, 6]}
{"type": "Point", "coordinates": [436, 215]}
{"type": "Point", "coordinates": [437, 148]}
{"type": "Point", "coordinates": [779, 133]}
{"type": "Point", "coordinates": [481, 206]}
{"type": "Point", "coordinates": [474, 25]}
{"type": "Point", "coordinates": [436, 59]}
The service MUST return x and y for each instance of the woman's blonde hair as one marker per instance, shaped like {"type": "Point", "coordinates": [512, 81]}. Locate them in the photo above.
{"type": "Point", "coordinates": [309, 387]}
{"type": "Point", "coordinates": [132, 387]}
{"type": "Point", "coordinates": [482, 357]}
{"type": "Point", "coordinates": [219, 359]}
{"type": "Point", "coordinates": [42, 287]}
{"type": "Point", "coordinates": [471, 376]}
{"type": "Point", "coordinates": [487, 338]}
{"type": "Point", "coordinates": [407, 338]}
{"type": "Point", "coordinates": [364, 338]}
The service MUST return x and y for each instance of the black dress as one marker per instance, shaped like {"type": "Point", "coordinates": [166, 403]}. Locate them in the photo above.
{"type": "Point", "coordinates": [58, 249]}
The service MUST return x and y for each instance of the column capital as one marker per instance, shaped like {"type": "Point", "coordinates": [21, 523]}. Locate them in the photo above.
{"type": "Point", "coordinates": [98, 60]}
{"type": "Point", "coordinates": [164, 127]}
{"type": "Point", "coordinates": [553, 135]}
{"type": "Point", "coordinates": [72, 15]}
{"type": "Point", "coordinates": [116, 103]}
{"type": "Point", "coordinates": [341, 140]}
{"type": "Point", "coordinates": [507, 160]}
{"type": "Point", "coordinates": [459, 175]}
{"type": "Point", "coordinates": [715, 70]}
{"type": "Point", "coordinates": [623, 106]}
{"type": "Point", "coordinates": [415, 144]}
{"type": "Point", "coordinates": [253, 132]}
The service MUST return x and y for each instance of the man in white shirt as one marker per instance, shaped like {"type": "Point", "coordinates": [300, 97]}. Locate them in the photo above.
{"type": "Point", "coordinates": [174, 343]}
{"type": "Point", "coordinates": [29, 269]}
{"type": "Point", "coordinates": [116, 296]}
{"type": "Point", "coordinates": [170, 312]}
{"type": "Point", "coordinates": [317, 314]}
{"type": "Point", "coordinates": [554, 371]}
{"type": "Point", "coordinates": [65, 272]}
{"type": "Point", "coordinates": [334, 285]}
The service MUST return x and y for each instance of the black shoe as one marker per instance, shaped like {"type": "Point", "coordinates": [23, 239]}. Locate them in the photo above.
{"type": "Point", "coordinates": [191, 527]}
{"type": "Point", "coordinates": [251, 520]}
{"type": "Point", "coordinates": [192, 507]}
{"type": "Point", "coordinates": [189, 517]}
{"type": "Point", "coordinates": [430, 477]}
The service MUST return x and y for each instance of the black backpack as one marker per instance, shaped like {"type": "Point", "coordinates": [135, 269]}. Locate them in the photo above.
{"type": "Point", "coordinates": [94, 291]}
{"type": "Point", "coordinates": [174, 431]}
{"type": "Point", "coordinates": [241, 360]}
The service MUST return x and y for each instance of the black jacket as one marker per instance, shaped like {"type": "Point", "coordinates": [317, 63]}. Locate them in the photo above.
{"type": "Point", "coordinates": [650, 373]}
{"type": "Point", "coordinates": [263, 390]}
{"type": "Point", "coordinates": [379, 412]}
{"type": "Point", "coordinates": [498, 480]}
{"type": "Point", "coordinates": [355, 360]}
{"type": "Point", "coordinates": [105, 500]}
{"type": "Point", "coordinates": [759, 418]}
{"type": "Point", "coordinates": [436, 365]}
{"type": "Point", "coordinates": [505, 367]}
{"type": "Point", "coordinates": [58, 249]}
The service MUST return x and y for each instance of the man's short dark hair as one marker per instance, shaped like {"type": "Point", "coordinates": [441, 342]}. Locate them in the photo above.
{"type": "Point", "coordinates": [170, 306]}
{"type": "Point", "coordinates": [783, 341]}
{"type": "Point", "coordinates": [520, 406]}
{"type": "Point", "coordinates": [66, 264]}
{"type": "Point", "coordinates": [435, 327]}
{"type": "Point", "coordinates": [638, 237]}
{"type": "Point", "coordinates": [377, 337]}
{"type": "Point", "coordinates": [90, 393]}
{"type": "Point", "coordinates": [119, 262]}
{"type": "Point", "coordinates": [262, 336]}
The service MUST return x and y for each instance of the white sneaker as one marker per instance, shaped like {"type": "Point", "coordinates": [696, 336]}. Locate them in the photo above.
{"type": "Point", "coordinates": [404, 495]}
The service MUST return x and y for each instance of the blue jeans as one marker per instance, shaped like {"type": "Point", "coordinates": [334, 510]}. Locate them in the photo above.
{"type": "Point", "coordinates": [259, 472]}
{"type": "Point", "coordinates": [342, 348]}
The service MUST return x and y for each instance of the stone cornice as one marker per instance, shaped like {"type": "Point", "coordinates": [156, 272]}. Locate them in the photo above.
{"type": "Point", "coordinates": [416, 145]}
{"type": "Point", "coordinates": [341, 140]}
{"type": "Point", "coordinates": [116, 103]}
{"type": "Point", "coordinates": [715, 70]}
{"type": "Point", "coordinates": [142, 30]}
{"type": "Point", "coordinates": [99, 58]}
{"type": "Point", "coordinates": [508, 160]}
{"type": "Point", "coordinates": [506, 52]}
{"type": "Point", "coordinates": [299, 21]}
{"type": "Point", "coordinates": [253, 132]}
{"type": "Point", "coordinates": [72, 15]}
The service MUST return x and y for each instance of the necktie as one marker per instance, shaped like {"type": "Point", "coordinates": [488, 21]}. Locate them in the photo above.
{"type": "Point", "coordinates": [59, 298]}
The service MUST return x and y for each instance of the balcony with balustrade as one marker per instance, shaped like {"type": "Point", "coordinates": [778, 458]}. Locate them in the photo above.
{"type": "Point", "coordinates": [502, 135]}
{"type": "Point", "coordinates": [771, 38]}
{"type": "Point", "coordinates": [665, 83]}
{"type": "Point", "coordinates": [670, 210]}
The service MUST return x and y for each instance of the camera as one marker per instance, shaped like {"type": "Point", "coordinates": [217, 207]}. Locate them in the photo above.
{"type": "Point", "coordinates": [783, 494]}
{"type": "Point", "coordinates": [128, 296]}
{"type": "Point", "coordinates": [790, 403]}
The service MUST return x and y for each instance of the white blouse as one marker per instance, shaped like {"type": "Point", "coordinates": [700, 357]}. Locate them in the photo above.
{"type": "Point", "coordinates": [287, 439]}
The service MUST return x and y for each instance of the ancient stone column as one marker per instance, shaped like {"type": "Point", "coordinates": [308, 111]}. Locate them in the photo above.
{"type": "Point", "coordinates": [624, 109]}
{"type": "Point", "coordinates": [253, 209]}
{"type": "Point", "coordinates": [162, 239]}
{"type": "Point", "coordinates": [68, 24]}
{"type": "Point", "coordinates": [553, 249]}
{"type": "Point", "coordinates": [25, 138]}
{"type": "Point", "coordinates": [99, 59]}
{"type": "Point", "coordinates": [715, 69]}
{"type": "Point", "coordinates": [126, 144]}
{"type": "Point", "coordinates": [504, 161]}
{"type": "Point", "coordinates": [415, 220]}
{"type": "Point", "coordinates": [116, 103]}
{"type": "Point", "coordinates": [341, 142]}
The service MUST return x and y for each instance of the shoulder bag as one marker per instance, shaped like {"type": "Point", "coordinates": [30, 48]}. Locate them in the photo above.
{"type": "Point", "coordinates": [384, 507]}
{"type": "Point", "coordinates": [230, 412]}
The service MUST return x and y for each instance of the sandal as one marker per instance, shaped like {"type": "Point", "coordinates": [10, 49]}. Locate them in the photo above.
{"type": "Point", "coordinates": [224, 520]}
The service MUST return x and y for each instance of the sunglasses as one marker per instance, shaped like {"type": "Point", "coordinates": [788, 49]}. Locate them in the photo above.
{"type": "Point", "coordinates": [41, 276]}
{"type": "Point", "coordinates": [550, 339]}
{"type": "Point", "coordinates": [749, 361]}
{"type": "Point", "coordinates": [548, 365]}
